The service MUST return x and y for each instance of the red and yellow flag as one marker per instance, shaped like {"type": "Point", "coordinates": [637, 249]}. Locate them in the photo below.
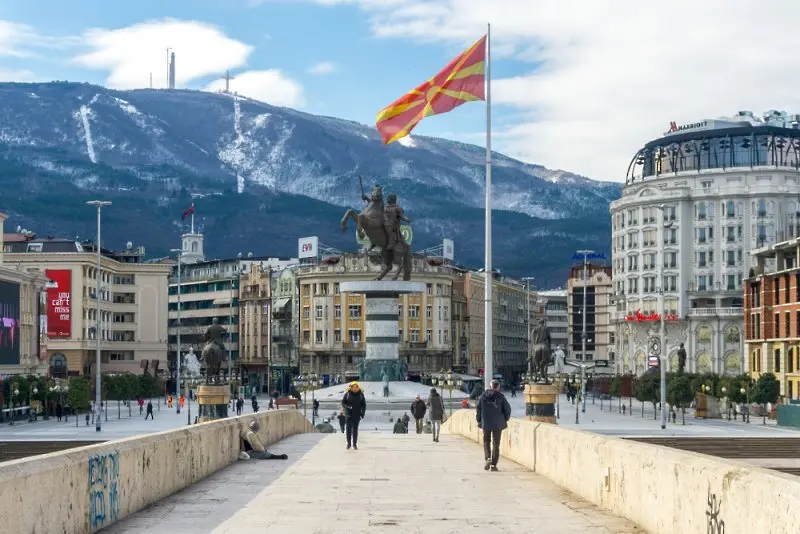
{"type": "Point", "coordinates": [462, 80]}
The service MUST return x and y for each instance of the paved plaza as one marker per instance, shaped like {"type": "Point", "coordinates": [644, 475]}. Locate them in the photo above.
{"type": "Point", "coordinates": [114, 428]}
{"type": "Point", "coordinates": [393, 483]}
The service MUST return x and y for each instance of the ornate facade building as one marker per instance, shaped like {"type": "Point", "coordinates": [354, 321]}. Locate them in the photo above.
{"type": "Point", "coordinates": [696, 202]}
{"type": "Point", "coordinates": [255, 325]}
{"type": "Point", "coordinates": [332, 326]}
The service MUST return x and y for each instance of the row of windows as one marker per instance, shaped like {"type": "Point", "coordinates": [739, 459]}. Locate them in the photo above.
{"type": "Point", "coordinates": [323, 288]}
{"type": "Point", "coordinates": [354, 312]}
{"type": "Point", "coordinates": [354, 336]}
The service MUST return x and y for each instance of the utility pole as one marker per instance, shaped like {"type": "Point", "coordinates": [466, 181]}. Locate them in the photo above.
{"type": "Point", "coordinates": [582, 403]}
{"type": "Point", "coordinates": [663, 329]}
{"type": "Point", "coordinates": [168, 51]}
{"type": "Point", "coordinates": [528, 279]}
{"type": "Point", "coordinates": [178, 324]}
{"type": "Point", "coordinates": [99, 204]}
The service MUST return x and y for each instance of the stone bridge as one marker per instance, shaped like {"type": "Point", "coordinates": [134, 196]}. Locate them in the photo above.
{"type": "Point", "coordinates": [551, 480]}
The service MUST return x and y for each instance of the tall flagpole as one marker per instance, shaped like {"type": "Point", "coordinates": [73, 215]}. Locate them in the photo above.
{"type": "Point", "coordinates": [488, 373]}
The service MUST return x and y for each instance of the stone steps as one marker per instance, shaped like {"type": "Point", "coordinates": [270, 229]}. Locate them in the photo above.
{"type": "Point", "coordinates": [732, 447]}
{"type": "Point", "coordinates": [13, 450]}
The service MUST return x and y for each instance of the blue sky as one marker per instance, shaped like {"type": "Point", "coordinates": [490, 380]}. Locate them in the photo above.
{"type": "Point", "coordinates": [578, 85]}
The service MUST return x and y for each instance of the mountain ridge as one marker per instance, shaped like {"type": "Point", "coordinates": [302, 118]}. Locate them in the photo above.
{"type": "Point", "coordinates": [166, 147]}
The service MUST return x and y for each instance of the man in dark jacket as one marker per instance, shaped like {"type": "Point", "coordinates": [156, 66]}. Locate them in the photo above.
{"type": "Point", "coordinates": [355, 406]}
{"type": "Point", "coordinates": [418, 410]}
{"type": "Point", "coordinates": [492, 414]}
{"type": "Point", "coordinates": [436, 405]}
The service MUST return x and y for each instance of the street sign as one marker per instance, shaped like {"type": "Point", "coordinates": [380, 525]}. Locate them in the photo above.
{"type": "Point", "coordinates": [593, 256]}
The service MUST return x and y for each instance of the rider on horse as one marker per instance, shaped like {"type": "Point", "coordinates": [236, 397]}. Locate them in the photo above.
{"type": "Point", "coordinates": [392, 215]}
{"type": "Point", "coordinates": [214, 335]}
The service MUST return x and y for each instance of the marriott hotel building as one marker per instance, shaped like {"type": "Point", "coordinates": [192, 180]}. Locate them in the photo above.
{"type": "Point", "coordinates": [699, 200]}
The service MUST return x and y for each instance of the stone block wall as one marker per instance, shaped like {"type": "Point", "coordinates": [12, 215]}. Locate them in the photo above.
{"type": "Point", "coordinates": [664, 490]}
{"type": "Point", "coordinates": [86, 489]}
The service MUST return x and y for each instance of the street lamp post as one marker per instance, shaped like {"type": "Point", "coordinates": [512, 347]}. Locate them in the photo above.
{"type": "Point", "coordinates": [179, 251]}
{"type": "Point", "coordinates": [585, 254]}
{"type": "Point", "coordinates": [99, 204]}
{"type": "Point", "coordinates": [33, 393]}
{"type": "Point", "coordinates": [528, 279]}
{"type": "Point", "coordinates": [451, 382]}
{"type": "Point", "coordinates": [663, 329]}
{"type": "Point", "coordinates": [746, 415]}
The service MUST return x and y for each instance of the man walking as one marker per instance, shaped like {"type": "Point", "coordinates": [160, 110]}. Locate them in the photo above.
{"type": "Point", "coordinates": [436, 405]}
{"type": "Point", "coordinates": [492, 414]}
{"type": "Point", "coordinates": [355, 406]}
{"type": "Point", "coordinates": [149, 410]}
{"type": "Point", "coordinates": [418, 410]}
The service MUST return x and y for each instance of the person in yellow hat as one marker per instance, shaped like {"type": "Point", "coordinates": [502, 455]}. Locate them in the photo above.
{"type": "Point", "coordinates": [354, 405]}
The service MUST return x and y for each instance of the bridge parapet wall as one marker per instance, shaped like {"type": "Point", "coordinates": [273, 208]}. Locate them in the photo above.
{"type": "Point", "coordinates": [663, 490]}
{"type": "Point", "coordinates": [85, 489]}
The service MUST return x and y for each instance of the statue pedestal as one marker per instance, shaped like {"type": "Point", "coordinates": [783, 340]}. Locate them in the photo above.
{"type": "Point", "coordinates": [212, 401]}
{"type": "Point", "coordinates": [540, 402]}
{"type": "Point", "coordinates": [383, 343]}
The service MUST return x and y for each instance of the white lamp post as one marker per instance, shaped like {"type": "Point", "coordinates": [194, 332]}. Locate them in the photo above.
{"type": "Point", "coordinates": [99, 204]}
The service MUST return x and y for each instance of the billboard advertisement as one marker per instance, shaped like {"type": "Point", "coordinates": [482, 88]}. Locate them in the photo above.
{"type": "Point", "coordinates": [448, 249]}
{"type": "Point", "coordinates": [59, 303]}
{"type": "Point", "coordinates": [9, 323]}
{"type": "Point", "coordinates": [307, 247]}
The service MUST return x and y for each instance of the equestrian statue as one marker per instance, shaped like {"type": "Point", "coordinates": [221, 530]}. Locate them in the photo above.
{"type": "Point", "coordinates": [380, 224]}
{"type": "Point", "coordinates": [214, 350]}
{"type": "Point", "coordinates": [540, 351]}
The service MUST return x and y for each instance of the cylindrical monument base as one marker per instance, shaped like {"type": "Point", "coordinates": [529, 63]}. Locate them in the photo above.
{"type": "Point", "coordinates": [540, 402]}
{"type": "Point", "coordinates": [212, 402]}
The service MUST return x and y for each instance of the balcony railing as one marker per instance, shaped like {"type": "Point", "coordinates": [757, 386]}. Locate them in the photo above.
{"type": "Point", "coordinates": [716, 312]}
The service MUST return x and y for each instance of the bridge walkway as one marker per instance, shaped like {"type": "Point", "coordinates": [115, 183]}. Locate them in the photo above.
{"type": "Point", "coordinates": [393, 483]}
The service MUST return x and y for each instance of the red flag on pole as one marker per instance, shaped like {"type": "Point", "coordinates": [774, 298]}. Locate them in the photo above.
{"type": "Point", "coordinates": [189, 211]}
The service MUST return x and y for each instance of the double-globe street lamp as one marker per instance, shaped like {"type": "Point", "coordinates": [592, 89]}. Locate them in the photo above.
{"type": "Point", "coordinates": [449, 381]}
{"type": "Point", "coordinates": [99, 204]}
{"type": "Point", "coordinates": [304, 383]}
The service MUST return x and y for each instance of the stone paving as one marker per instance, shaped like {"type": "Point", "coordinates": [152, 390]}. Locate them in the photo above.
{"type": "Point", "coordinates": [393, 483]}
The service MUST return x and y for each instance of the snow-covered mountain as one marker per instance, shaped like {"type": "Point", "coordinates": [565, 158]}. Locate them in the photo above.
{"type": "Point", "coordinates": [166, 147]}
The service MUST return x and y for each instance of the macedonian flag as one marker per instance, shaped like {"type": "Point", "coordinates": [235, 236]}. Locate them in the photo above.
{"type": "Point", "coordinates": [462, 80]}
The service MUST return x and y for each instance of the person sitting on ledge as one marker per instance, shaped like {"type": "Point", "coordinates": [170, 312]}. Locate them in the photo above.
{"type": "Point", "coordinates": [399, 427]}
{"type": "Point", "coordinates": [252, 446]}
{"type": "Point", "coordinates": [325, 427]}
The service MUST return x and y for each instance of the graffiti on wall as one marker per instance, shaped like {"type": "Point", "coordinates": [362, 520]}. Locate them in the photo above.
{"type": "Point", "coordinates": [714, 525]}
{"type": "Point", "coordinates": [103, 489]}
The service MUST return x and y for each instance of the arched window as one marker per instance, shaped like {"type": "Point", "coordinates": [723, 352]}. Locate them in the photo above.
{"type": "Point", "coordinates": [730, 209]}
{"type": "Point", "coordinates": [194, 246]}
{"type": "Point", "coordinates": [701, 210]}
{"type": "Point", "coordinates": [58, 365]}
{"type": "Point", "coordinates": [762, 208]}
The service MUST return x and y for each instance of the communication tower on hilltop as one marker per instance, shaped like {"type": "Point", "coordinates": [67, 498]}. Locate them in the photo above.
{"type": "Point", "coordinates": [172, 71]}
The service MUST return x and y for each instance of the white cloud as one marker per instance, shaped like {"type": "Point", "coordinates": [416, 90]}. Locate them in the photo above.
{"type": "Point", "coordinates": [607, 76]}
{"type": "Point", "coordinates": [269, 86]}
{"type": "Point", "coordinates": [22, 75]}
{"type": "Point", "coordinates": [133, 52]}
{"type": "Point", "coordinates": [16, 39]}
{"type": "Point", "coordinates": [325, 67]}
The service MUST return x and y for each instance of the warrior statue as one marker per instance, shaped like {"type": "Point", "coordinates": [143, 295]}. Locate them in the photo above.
{"type": "Point", "coordinates": [559, 357]}
{"type": "Point", "coordinates": [214, 349]}
{"type": "Point", "coordinates": [681, 359]}
{"type": "Point", "coordinates": [540, 350]}
{"type": "Point", "coordinates": [191, 364]}
{"type": "Point", "coordinates": [381, 225]}
{"type": "Point", "coordinates": [392, 215]}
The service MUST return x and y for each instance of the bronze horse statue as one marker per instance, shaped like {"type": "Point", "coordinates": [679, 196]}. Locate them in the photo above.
{"type": "Point", "coordinates": [213, 352]}
{"type": "Point", "coordinates": [370, 225]}
{"type": "Point", "coordinates": [541, 355]}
